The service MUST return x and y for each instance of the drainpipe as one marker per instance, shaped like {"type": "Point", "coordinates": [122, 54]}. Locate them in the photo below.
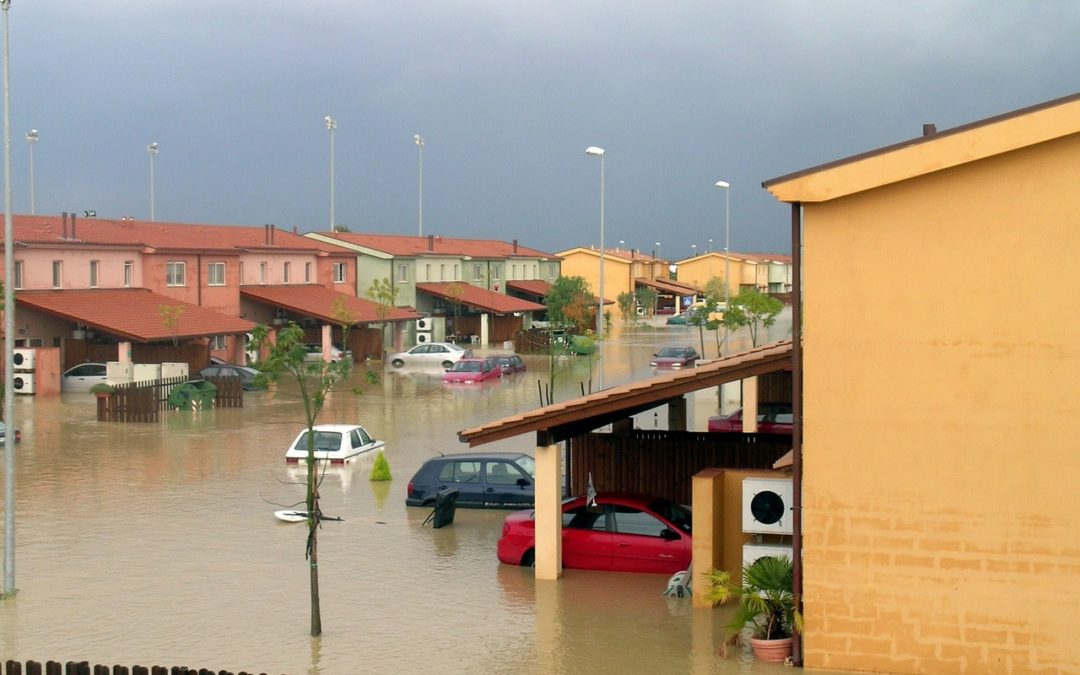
{"type": "Point", "coordinates": [797, 418]}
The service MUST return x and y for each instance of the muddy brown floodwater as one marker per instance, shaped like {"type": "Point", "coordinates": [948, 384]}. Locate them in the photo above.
{"type": "Point", "coordinates": [156, 544]}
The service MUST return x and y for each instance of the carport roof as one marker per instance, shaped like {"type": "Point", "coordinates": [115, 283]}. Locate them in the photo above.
{"type": "Point", "coordinates": [320, 302]}
{"type": "Point", "coordinates": [580, 415]}
{"type": "Point", "coordinates": [489, 301]}
{"type": "Point", "coordinates": [132, 313]}
{"type": "Point", "coordinates": [668, 286]}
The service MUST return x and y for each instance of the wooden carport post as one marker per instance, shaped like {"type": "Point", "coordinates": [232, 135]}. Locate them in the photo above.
{"type": "Point", "coordinates": [708, 544]}
{"type": "Point", "coordinates": [548, 508]}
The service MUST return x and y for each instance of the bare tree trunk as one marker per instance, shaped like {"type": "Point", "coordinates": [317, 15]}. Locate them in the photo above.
{"type": "Point", "coordinates": [316, 612]}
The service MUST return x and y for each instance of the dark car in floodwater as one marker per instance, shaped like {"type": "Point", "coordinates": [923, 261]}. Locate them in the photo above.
{"type": "Point", "coordinates": [496, 480]}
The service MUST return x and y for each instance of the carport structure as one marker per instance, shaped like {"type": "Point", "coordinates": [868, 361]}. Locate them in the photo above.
{"type": "Point", "coordinates": [576, 418]}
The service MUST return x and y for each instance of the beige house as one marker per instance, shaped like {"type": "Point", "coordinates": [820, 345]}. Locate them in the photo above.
{"type": "Point", "coordinates": [623, 268]}
{"type": "Point", "coordinates": [939, 443]}
{"type": "Point", "coordinates": [766, 272]}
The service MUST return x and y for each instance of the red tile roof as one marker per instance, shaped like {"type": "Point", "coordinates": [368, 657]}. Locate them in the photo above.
{"type": "Point", "coordinates": [406, 246]}
{"type": "Point", "coordinates": [530, 286]}
{"type": "Point", "coordinates": [54, 230]}
{"type": "Point", "coordinates": [585, 413]}
{"type": "Point", "coordinates": [132, 313]}
{"type": "Point", "coordinates": [481, 298]}
{"type": "Point", "coordinates": [319, 302]}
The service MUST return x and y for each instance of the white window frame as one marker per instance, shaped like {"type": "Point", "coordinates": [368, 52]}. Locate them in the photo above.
{"type": "Point", "coordinates": [176, 273]}
{"type": "Point", "coordinates": [339, 273]}
{"type": "Point", "coordinates": [58, 274]}
{"type": "Point", "coordinates": [129, 273]}
{"type": "Point", "coordinates": [262, 272]}
{"type": "Point", "coordinates": [218, 343]}
{"type": "Point", "coordinates": [18, 274]}
{"type": "Point", "coordinates": [478, 272]}
{"type": "Point", "coordinates": [215, 274]}
{"type": "Point", "coordinates": [286, 268]}
{"type": "Point", "coordinates": [402, 272]}
{"type": "Point", "coordinates": [307, 273]}
{"type": "Point", "coordinates": [95, 265]}
{"type": "Point", "coordinates": [496, 272]}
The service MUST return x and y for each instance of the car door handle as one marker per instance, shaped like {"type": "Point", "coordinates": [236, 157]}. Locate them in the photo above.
{"type": "Point", "coordinates": [666, 555]}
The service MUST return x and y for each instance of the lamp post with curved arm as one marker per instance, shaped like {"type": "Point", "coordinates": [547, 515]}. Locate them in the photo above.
{"type": "Point", "coordinates": [599, 152]}
{"type": "Point", "coordinates": [31, 141]}
{"type": "Point", "coordinates": [331, 124]}
{"type": "Point", "coordinates": [152, 150]}
{"type": "Point", "coordinates": [726, 187]}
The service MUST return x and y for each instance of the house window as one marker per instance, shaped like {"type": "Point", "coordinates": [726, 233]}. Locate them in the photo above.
{"type": "Point", "coordinates": [262, 273]}
{"type": "Point", "coordinates": [129, 273]}
{"type": "Point", "coordinates": [402, 272]}
{"type": "Point", "coordinates": [535, 274]}
{"type": "Point", "coordinates": [94, 274]}
{"type": "Point", "coordinates": [551, 271]}
{"type": "Point", "coordinates": [215, 274]}
{"type": "Point", "coordinates": [285, 272]}
{"type": "Point", "coordinates": [427, 272]}
{"type": "Point", "coordinates": [18, 274]}
{"type": "Point", "coordinates": [175, 273]}
{"type": "Point", "coordinates": [442, 272]}
{"type": "Point", "coordinates": [339, 273]}
{"type": "Point", "coordinates": [514, 272]}
{"type": "Point", "coordinates": [496, 271]}
{"type": "Point", "coordinates": [57, 274]}
{"type": "Point", "coordinates": [240, 271]}
{"type": "Point", "coordinates": [307, 273]}
{"type": "Point", "coordinates": [456, 272]}
{"type": "Point", "coordinates": [478, 272]}
{"type": "Point", "coordinates": [218, 343]}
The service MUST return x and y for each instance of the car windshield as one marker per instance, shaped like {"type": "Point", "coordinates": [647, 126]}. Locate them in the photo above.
{"type": "Point", "coordinates": [467, 366]}
{"type": "Point", "coordinates": [325, 441]}
{"type": "Point", "coordinates": [528, 464]}
{"type": "Point", "coordinates": [671, 351]}
{"type": "Point", "coordinates": [679, 515]}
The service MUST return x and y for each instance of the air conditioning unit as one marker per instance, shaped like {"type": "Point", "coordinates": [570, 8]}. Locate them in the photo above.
{"type": "Point", "coordinates": [23, 383]}
{"type": "Point", "coordinates": [751, 552]}
{"type": "Point", "coordinates": [25, 359]}
{"type": "Point", "coordinates": [424, 324]}
{"type": "Point", "coordinates": [423, 338]}
{"type": "Point", "coordinates": [766, 505]}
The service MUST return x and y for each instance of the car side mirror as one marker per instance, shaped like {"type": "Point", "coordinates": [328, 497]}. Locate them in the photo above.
{"type": "Point", "coordinates": [523, 482]}
{"type": "Point", "coordinates": [668, 534]}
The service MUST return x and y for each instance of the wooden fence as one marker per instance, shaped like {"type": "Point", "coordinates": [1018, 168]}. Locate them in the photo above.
{"type": "Point", "coordinates": [84, 668]}
{"type": "Point", "coordinates": [662, 463]}
{"type": "Point", "coordinates": [144, 401]}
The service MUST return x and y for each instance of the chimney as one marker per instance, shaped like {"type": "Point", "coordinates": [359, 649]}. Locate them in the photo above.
{"type": "Point", "coordinates": [929, 129]}
{"type": "Point", "coordinates": [515, 247]}
{"type": "Point", "coordinates": [294, 231]}
{"type": "Point", "coordinates": [431, 242]}
{"type": "Point", "coordinates": [272, 228]}
{"type": "Point", "coordinates": [72, 224]}
{"type": "Point", "coordinates": [63, 228]}
{"type": "Point", "coordinates": [266, 234]}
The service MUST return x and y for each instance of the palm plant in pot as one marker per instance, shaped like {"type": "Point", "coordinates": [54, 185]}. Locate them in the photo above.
{"type": "Point", "coordinates": [766, 605]}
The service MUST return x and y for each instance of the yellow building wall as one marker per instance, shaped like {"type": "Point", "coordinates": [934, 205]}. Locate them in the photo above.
{"type": "Point", "coordinates": [699, 271]}
{"type": "Point", "coordinates": [586, 264]}
{"type": "Point", "coordinates": [942, 420]}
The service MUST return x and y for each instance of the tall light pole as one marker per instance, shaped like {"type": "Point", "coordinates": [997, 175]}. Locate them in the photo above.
{"type": "Point", "coordinates": [419, 140]}
{"type": "Point", "coordinates": [31, 141]}
{"type": "Point", "coordinates": [9, 334]}
{"type": "Point", "coordinates": [152, 149]}
{"type": "Point", "coordinates": [726, 187]}
{"type": "Point", "coordinates": [658, 250]}
{"type": "Point", "coordinates": [599, 152]}
{"type": "Point", "coordinates": [331, 124]}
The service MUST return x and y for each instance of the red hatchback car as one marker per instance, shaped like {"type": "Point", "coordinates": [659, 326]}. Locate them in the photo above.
{"type": "Point", "coordinates": [622, 532]}
{"type": "Point", "coordinates": [473, 370]}
{"type": "Point", "coordinates": [773, 418]}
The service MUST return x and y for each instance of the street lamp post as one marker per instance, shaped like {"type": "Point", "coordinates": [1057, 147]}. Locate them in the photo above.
{"type": "Point", "coordinates": [31, 141]}
{"type": "Point", "coordinates": [9, 335]}
{"type": "Point", "coordinates": [726, 187]}
{"type": "Point", "coordinates": [331, 124]}
{"type": "Point", "coordinates": [419, 140]}
{"type": "Point", "coordinates": [599, 152]}
{"type": "Point", "coordinates": [152, 149]}
{"type": "Point", "coordinates": [658, 250]}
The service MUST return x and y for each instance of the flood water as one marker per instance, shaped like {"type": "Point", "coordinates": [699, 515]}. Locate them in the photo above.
{"type": "Point", "coordinates": [156, 544]}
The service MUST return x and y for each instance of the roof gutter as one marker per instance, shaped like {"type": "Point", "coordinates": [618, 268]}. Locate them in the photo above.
{"type": "Point", "coordinates": [796, 410]}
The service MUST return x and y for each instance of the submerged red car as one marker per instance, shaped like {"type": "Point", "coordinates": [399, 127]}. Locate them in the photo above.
{"type": "Point", "coordinates": [617, 532]}
{"type": "Point", "coordinates": [773, 418]}
{"type": "Point", "coordinates": [473, 370]}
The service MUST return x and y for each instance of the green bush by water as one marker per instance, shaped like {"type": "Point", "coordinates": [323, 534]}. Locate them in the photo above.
{"type": "Point", "coordinates": [380, 470]}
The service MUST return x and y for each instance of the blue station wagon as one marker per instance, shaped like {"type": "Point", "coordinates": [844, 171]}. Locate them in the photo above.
{"type": "Point", "coordinates": [483, 480]}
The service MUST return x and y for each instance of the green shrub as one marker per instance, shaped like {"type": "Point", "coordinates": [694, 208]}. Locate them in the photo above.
{"type": "Point", "coordinates": [380, 470]}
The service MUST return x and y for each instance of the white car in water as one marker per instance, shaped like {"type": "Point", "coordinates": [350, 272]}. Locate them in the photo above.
{"type": "Point", "coordinates": [334, 443]}
{"type": "Point", "coordinates": [442, 354]}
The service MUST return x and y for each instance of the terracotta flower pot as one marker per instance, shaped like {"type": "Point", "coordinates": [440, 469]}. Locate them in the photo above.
{"type": "Point", "coordinates": [771, 650]}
